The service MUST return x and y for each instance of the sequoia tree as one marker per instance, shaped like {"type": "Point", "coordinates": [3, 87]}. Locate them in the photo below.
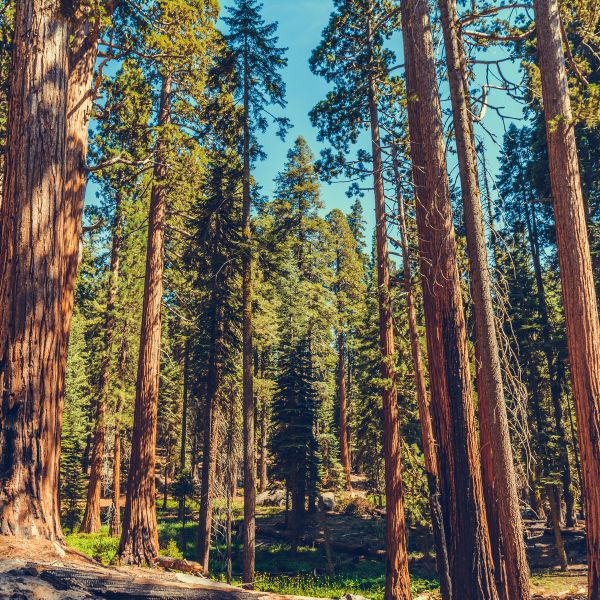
{"type": "Point", "coordinates": [579, 293]}
{"type": "Point", "coordinates": [33, 254]}
{"type": "Point", "coordinates": [492, 403]}
{"type": "Point", "coordinates": [461, 493]}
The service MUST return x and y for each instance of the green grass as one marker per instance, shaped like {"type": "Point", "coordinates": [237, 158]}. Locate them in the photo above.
{"type": "Point", "coordinates": [279, 568]}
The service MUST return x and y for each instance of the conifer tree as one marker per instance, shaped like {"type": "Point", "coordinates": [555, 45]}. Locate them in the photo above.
{"type": "Point", "coordinates": [349, 289]}
{"type": "Point", "coordinates": [353, 58]}
{"type": "Point", "coordinates": [259, 59]}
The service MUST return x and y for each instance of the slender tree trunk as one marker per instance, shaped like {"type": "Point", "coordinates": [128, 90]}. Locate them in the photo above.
{"type": "Point", "coordinates": [248, 352]}
{"type": "Point", "coordinates": [579, 293]}
{"type": "Point", "coordinates": [553, 493]}
{"type": "Point", "coordinates": [489, 372]}
{"type": "Point", "coordinates": [550, 355]}
{"type": "Point", "coordinates": [465, 522]}
{"type": "Point", "coordinates": [343, 405]}
{"type": "Point", "coordinates": [431, 462]}
{"type": "Point", "coordinates": [139, 538]}
{"type": "Point", "coordinates": [33, 256]}
{"type": "Point", "coordinates": [397, 584]}
{"type": "Point", "coordinates": [184, 419]}
{"type": "Point", "coordinates": [211, 431]}
{"type": "Point", "coordinates": [115, 521]}
{"type": "Point", "coordinates": [91, 517]}
{"type": "Point", "coordinates": [264, 439]}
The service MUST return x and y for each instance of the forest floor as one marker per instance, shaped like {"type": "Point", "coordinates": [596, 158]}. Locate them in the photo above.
{"type": "Point", "coordinates": [354, 532]}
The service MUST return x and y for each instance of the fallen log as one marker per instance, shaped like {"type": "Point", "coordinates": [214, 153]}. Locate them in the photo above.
{"type": "Point", "coordinates": [179, 564]}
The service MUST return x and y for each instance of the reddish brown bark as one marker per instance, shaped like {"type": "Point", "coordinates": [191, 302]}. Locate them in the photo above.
{"type": "Point", "coordinates": [579, 293]}
{"type": "Point", "coordinates": [397, 584]}
{"type": "Point", "coordinates": [431, 462]}
{"type": "Point", "coordinates": [465, 523]}
{"type": "Point", "coordinates": [264, 438]}
{"type": "Point", "coordinates": [33, 256]}
{"type": "Point", "coordinates": [139, 538]}
{"type": "Point", "coordinates": [509, 528]}
{"type": "Point", "coordinates": [343, 406]}
{"type": "Point", "coordinates": [91, 517]}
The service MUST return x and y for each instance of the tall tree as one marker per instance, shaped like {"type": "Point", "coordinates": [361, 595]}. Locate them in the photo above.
{"type": "Point", "coordinates": [33, 254]}
{"type": "Point", "coordinates": [489, 373]}
{"type": "Point", "coordinates": [471, 564]}
{"type": "Point", "coordinates": [349, 288]}
{"type": "Point", "coordinates": [352, 57]}
{"type": "Point", "coordinates": [124, 133]}
{"type": "Point", "coordinates": [259, 60]}
{"type": "Point", "coordinates": [579, 293]}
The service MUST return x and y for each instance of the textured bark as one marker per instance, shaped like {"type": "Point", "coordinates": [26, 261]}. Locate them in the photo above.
{"type": "Point", "coordinates": [489, 372]}
{"type": "Point", "coordinates": [33, 256]}
{"type": "Point", "coordinates": [91, 517]}
{"type": "Point", "coordinates": [579, 293]}
{"type": "Point", "coordinates": [465, 522]}
{"type": "Point", "coordinates": [139, 538]}
{"type": "Point", "coordinates": [397, 581]}
{"type": "Point", "coordinates": [431, 463]}
{"type": "Point", "coordinates": [553, 494]}
{"type": "Point", "coordinates": [343, 406]}
{"type": "Point", "coordinates": [248, 354]}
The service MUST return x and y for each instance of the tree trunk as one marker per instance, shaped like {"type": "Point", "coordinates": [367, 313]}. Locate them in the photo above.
{"type": "Point", "coordinates": [139, 538]}
{"type": "Point", "coordinates": [431, 463]}
{"type": "Point", "coordinates": [397, 583]}
{"type": "Point", "coordinates": [115, 520]}
{"type": "Point", "coordinates": [343, 405]}
{"type": "Point", "coordinates": [579, 293]}
{"type": "Point", "coordinates": [550, 355]}
{"type": "Point", "coordinates": [248, 353]}
{"type": "Point", "coordinates": [489, 373]}
{"type": "Point", "coordinates": [184, 415]}
{"type": "Point", "coordinates": [553, 492]}
{"type": "Point", "coordinates": [264, 439]}
{"type": "Point", "coordinates": [91, 517]}
{"type": "Point", "coordinates": [33, 256]}
{"type": "Point", "coordinates": [209, 467]}
{"type": "Point", "coordinates": [211, 430]}
{"type": "Point", "coordinates": [465, 522]}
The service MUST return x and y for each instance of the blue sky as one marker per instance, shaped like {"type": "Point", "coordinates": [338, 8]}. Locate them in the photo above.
{"type": "Point", "coordinates": [301, 23]}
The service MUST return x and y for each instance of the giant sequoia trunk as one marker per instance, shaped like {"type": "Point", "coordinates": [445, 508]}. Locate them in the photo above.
{"type": "Point", "coordinates": [35, 246]}
{"type": "Point", "coordinates": [431, 461]}
{"type": "Point", "coordinates": [139, 538]}
{"type": "Point", "coordinates": [91, 517]}
{"type": "Point", "coordinates": [465, 523]}
{"type": "Point", "coordinates": [579, 293]}
{"type": "Point", "coordinates": [397, 584]}
{"type": "Point", "coordinates": [489, 373]}
{"type": "Point", "coordinates": [248, 353]}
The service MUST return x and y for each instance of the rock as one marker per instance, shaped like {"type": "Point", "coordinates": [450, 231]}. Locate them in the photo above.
{"type": "Point", "coordinates": [271, 498]}
{"type": "Point", "coordinates": [328, 500]}
{"type": "Point", "coordinates": [59, 550]}
{"type": "Point", "coordinates": [352, 597]}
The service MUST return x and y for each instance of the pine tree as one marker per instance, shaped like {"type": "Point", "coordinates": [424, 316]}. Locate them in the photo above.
{"type": "Point", "coordinates": [259, 60]}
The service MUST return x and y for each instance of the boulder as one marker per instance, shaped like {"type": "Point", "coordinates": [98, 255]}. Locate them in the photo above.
{"type": "Point", "coordinates": [328, 500]}
{"type": "Point", "coordinates": [271, 498]}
